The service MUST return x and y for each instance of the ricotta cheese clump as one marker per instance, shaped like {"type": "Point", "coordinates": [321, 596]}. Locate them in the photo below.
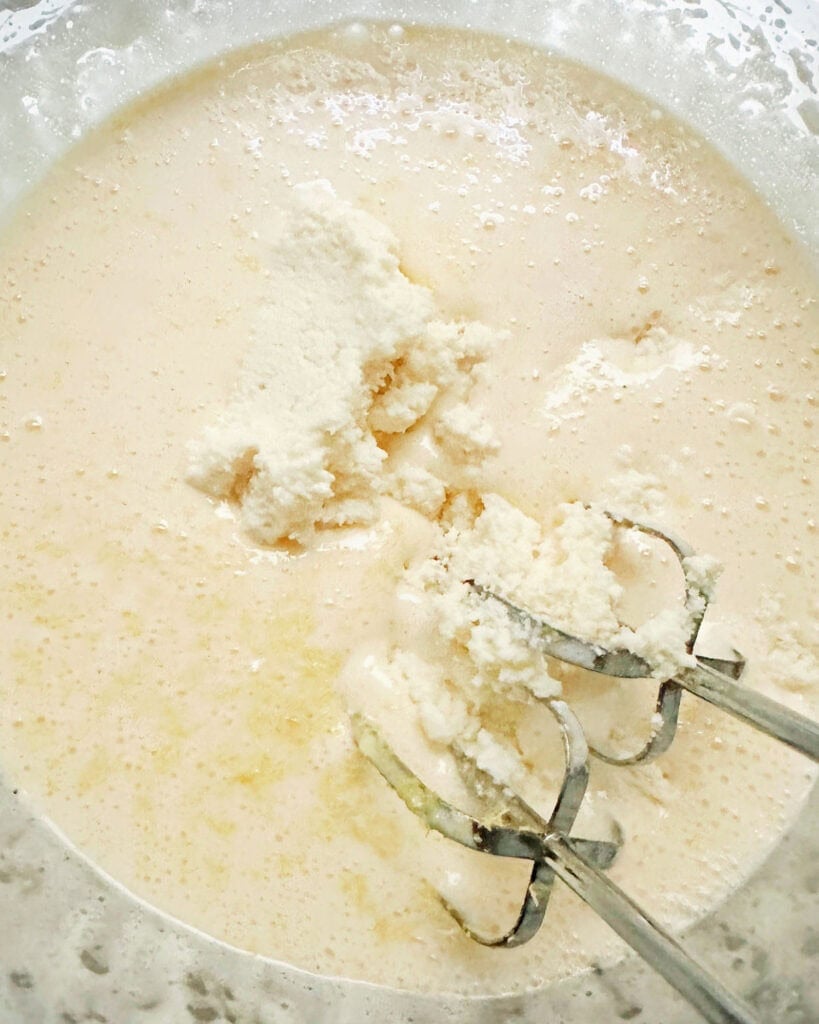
{"type": "Point", "coordinates": [348, 351]}
{"type": "Point", "coordinates": [460, 653]}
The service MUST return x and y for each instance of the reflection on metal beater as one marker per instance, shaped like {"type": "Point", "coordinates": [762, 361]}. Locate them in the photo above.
{"type": "Point", "coordinates": [516, 830]}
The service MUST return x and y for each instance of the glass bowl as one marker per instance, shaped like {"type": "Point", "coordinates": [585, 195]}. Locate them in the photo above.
{"type": "Point", "coordinates": [77, 946]}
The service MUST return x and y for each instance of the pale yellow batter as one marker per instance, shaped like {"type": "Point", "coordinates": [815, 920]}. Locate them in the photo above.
{"type": "Point", "coordinates": [168, 686]}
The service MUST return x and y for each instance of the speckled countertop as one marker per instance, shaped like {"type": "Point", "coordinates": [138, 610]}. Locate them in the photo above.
{"type": "Point", "coordinates": [76, 947]}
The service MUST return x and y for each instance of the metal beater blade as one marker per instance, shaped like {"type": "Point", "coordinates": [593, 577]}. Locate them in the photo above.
{"type": "Point", "coordinates": [517, 812]}
{"type": "Point", "coordinates": [710, 679]}
{"type": "Point", "coordinates": [555, 852]}
{"type": "Point", "coordinates": [520, 832]}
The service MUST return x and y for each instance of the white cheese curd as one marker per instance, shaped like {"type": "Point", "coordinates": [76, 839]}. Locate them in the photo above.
{"type": "Point", "coordinates": [345, 348]}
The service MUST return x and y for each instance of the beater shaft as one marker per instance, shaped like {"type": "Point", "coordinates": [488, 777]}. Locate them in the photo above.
{"type": "Point", "coordinates": [555, 852]}
{"type": "Point", "coordinates": [768, 715]}
{"type": "Point", "coordinates": [645, 936]}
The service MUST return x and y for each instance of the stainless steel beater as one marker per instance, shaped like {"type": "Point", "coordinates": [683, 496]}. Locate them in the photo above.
{"type": "Point", "coordinates": [712, 679]}
{"type": "Point", "coordinates": [516, 830]}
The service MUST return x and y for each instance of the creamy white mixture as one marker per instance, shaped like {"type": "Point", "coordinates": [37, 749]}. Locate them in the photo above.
{"type": "Point", "coordinates": [515, 289]}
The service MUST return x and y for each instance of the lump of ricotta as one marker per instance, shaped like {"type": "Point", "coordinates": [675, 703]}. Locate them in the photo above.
{"type": "Point", "coordinates": [348, 351]}
{"type": "Point", "coordinates": [459, 654]}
